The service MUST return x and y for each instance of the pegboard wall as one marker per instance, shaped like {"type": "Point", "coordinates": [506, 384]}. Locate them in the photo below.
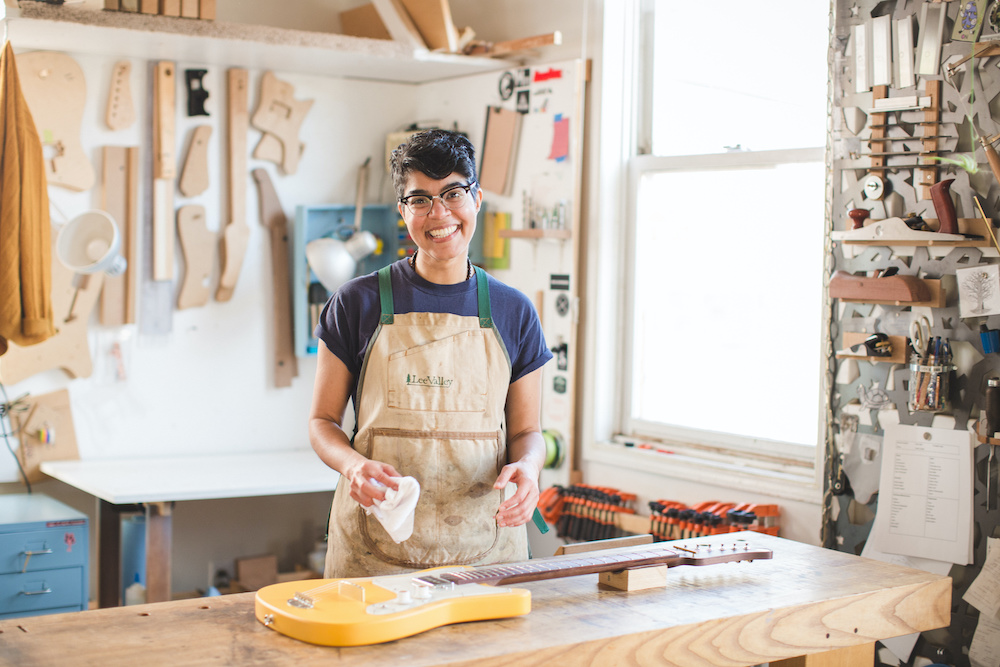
{"type": "Point", "coordinates": [903, 51]}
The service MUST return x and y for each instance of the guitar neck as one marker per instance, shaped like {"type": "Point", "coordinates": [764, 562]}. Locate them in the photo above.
{"type": "Point", "coordinates": [608, 561]}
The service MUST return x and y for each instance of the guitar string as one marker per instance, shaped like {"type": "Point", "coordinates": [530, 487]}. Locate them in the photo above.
{"type": "Point", "coordinates": [509, 569]}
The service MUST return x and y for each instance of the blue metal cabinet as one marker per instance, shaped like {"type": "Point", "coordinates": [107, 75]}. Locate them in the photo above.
{"type": "Point", "coordinates": [43, 556]}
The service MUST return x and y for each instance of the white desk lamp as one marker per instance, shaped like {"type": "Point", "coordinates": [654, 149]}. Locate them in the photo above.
{"type": "Point", "coordinates": [89, 243]}
{"type": "Point", "coordinates": [334, 261]}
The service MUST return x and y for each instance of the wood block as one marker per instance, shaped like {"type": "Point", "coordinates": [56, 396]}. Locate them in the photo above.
{"type": "Point", "coordinates": [114, 200]}
{"type": "Point", "coordinates": [273, 217]}
{"type": "Point", "coordinates": [206, 10]}
{"type": "Point", "coordinates": [164, 113]}
{"type": "Point", "coordinates": [170, 7]}
{"type": "Point", "coordinates": [280, 114]}
{"type": "Point", "coordinates": [255, 573]}
{"type": "Point", "coordinates": [189, 9]}
{"type": "Point", "coordinates": [54, 87]}
{"type": "Point", "coordinates": [120, 112]}
{"type": "Point", "coordinates": [636, 579]}
{"type": "Point", "coordinates": [194, 176]}
{"type": "Point", "coordinates": [198, 246]}
{"type": "Point", "coordinates": [433, 20]}
{"type": "Point", "coordinates": [131, 227]}
{"type": "Point", "coordinates": [363, 21]}
{"type": "Point", "coordinates": [149, 6]}
{"type": "Point", "coordinates": [130, 5]}
{"type": "Point", "coordinates": [503, 131]}
{"type": "Point", "coordinates": [113, 5]}
{"type": "Point", "coordinates": [399, 24]}
{"type": "Point", "coordinates": [45, 432]}
{"type": "Point", "coordinates": [235, 235]}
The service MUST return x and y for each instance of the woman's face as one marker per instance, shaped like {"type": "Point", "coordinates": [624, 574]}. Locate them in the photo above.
{"type": "Point", "coordinates": [442, 234]}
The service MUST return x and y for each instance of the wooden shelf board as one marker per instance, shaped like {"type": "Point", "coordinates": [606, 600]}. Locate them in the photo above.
{"type": "Point", "coordinates": [938, 298]}
{"type": "Point", "coordinates": [560, 234]}
{"type": "Point", "coordinates": [151, 37]}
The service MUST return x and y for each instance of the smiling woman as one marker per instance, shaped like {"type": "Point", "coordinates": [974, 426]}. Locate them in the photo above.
{"type": "Point", "coordinates": [444, 366]}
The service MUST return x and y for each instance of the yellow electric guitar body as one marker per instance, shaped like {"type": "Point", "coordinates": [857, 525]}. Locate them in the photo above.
{"type": "Point", "coordinates": [358, 612]}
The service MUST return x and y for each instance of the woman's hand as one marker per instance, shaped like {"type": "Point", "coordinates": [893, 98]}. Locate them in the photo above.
{"type": "Point", "coordinates": [369, 480]}
{"type": "Point", "coordinates": [517, 510]}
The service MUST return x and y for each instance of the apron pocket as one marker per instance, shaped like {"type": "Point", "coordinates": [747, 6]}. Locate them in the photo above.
{"type": "Point", "coordinates": [448, 375]}
{"type": "Point", "coordinates": [455, 518]}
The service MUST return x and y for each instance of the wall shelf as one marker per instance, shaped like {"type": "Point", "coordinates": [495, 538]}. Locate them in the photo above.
{"type": "Point", "coordinates": [558, 234]}
{"type": "Point", "coordinates": [40, 25]}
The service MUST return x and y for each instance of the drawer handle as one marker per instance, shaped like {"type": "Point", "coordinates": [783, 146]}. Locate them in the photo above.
{"type": "Point", "coordinates": [36, 553]}
{"type": "Point", "coordinates": [41, 592]}
{"type": "Point", "coordinates": [29, 554]}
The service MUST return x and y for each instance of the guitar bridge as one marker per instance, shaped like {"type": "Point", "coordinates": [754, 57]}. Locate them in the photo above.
{"type": "Point", "coordinates": [302, 601]}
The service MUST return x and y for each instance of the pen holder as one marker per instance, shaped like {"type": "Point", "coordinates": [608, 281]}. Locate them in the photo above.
{"type": "Point", "coordinates": [930, 387]}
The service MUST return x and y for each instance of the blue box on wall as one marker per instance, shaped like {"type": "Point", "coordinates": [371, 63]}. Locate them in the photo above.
{"type": "Point", "coordinates": [334, 221]}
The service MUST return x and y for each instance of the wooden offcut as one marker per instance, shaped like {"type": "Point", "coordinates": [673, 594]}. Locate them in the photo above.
{"type": "Point", "coordinates": [273, 217]}
{"type": "Point", "coordinates": [194, 175]}
{"type": "Point", "coordinates": [164, 124]}
{"type": "Point", "coordinates": [433, 21]}
{"type": "Point", "coordinates": [197, 245]}
{"type": "Point", "coordinates": [363, 21]}
{"type": "Point", "coordinates": [236, 234]}
{"type": "Point", "coordinates": [503, 130]}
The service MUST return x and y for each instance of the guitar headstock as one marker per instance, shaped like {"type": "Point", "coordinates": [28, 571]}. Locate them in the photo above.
{"type": "Point", "coordinates": [709, 554]}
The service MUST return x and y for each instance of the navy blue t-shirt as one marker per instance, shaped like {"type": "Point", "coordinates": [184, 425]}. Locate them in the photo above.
{"type": "Point", "coordinates": [351, 315]}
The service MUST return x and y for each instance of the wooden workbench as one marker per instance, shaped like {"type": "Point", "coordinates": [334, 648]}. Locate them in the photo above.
{"type": "Point", "coordinates": [825, 605]}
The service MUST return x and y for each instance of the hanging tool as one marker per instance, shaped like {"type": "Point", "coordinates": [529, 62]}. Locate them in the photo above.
{"type": "Point", "coordinates": [992, 419]}
{"type": "Point", "coordinates": [359, 198]}
{"type": "Point", "coordinates": [987, 220]}
{"type": "Point", "coordinates": [944, 206]}
{"type": "Point", "coordinates": [920, 336]}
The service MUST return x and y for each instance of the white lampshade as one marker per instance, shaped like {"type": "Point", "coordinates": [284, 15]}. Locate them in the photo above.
{"type": "Point", "coordinates": [90, 243]}
{"type": "Point", "coordinates": [334, 261]}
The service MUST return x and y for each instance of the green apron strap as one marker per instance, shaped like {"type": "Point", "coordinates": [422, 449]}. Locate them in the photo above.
{"type": "Point", "coordinates": [483, 292]}
{"type": "Point", "coordinates": [540, 522]}
{"type": "Point", "coordinates": [385, 295]}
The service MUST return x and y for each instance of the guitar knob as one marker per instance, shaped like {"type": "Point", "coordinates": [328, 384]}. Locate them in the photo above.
{"type": "Point", "coordinates": [422, 592]}
{"type": "Point", "coordinates": [404, 597]}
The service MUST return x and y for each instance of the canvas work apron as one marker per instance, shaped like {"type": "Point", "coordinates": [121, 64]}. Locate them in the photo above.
{"type": "Point", "coordinates": [431, 399]}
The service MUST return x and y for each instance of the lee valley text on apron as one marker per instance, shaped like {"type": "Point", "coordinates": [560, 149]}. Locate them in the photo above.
{"type": "Point", "coordinates": [431, 400]}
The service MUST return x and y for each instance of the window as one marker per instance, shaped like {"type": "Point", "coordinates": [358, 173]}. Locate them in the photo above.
{"type": "Point", "coordinates": [724, 257]}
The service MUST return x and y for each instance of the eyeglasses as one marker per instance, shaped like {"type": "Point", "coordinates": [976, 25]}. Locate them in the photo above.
{"type": "Point", "coordinates": [452, 198]}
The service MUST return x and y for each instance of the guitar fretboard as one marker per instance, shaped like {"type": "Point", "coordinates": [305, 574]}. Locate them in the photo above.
{"type": "Point", "coordinates": [566, 566]}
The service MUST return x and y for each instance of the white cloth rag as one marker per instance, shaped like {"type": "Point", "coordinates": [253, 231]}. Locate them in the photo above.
{"type": "Point", "coordinates": [395, 513]}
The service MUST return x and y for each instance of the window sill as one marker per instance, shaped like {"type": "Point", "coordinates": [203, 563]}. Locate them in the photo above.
{"type": "Point", "coordinates": [801, 484]}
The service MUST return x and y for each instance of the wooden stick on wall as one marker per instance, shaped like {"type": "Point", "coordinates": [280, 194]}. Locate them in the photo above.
{"type": "Point", "coordinates": [236, 233]}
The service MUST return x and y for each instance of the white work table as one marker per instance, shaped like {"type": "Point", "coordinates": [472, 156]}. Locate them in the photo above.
{"type": "Point", "coordinates": [154, 484]}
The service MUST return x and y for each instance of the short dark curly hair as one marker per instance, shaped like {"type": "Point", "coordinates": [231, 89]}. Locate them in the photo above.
{"type": "Point", "coordinates": [436, 153]}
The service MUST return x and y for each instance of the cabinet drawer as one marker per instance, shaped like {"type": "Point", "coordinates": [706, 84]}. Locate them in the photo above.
{"type": "Point", "coordinates": [65, 546]}
{"type": "Point", "coordinates": [34, 591]}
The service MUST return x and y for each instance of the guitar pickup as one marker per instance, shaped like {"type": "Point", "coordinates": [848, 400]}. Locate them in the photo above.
{"type": "Point", "coordinates": [431, 580]}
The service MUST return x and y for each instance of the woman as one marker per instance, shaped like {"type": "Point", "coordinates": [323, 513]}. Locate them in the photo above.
{"type": "Point", "coordinates": [444, 366]}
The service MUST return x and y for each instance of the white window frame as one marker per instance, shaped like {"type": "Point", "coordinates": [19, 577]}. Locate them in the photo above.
{"type": "Point", "coordinates": [621, 139]}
